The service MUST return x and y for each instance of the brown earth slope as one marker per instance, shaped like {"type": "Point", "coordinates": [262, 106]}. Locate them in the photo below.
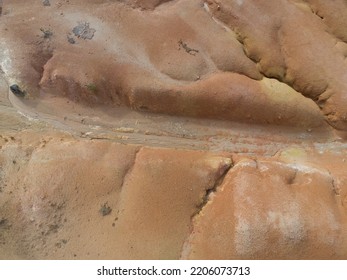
{"type": "Point", "coordinates": [241, 60]}
{"type": "Point", "coordinates": [148, 129]}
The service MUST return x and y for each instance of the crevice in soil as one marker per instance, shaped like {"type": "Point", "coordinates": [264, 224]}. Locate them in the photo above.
{"type": "Point", "coordinates": [292, 178]}
{"type": "Point", "coordinates": [131, 166]}
{"type": "Point", "coordinates": [334, 186]}
{"type": "Point", "coordinates": [209, 192]}
{"type": "Point", "coordinates": [45, 57]}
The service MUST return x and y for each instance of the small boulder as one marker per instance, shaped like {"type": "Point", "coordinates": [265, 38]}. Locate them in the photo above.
{"type": "Point", "coordinates": [15, 89]}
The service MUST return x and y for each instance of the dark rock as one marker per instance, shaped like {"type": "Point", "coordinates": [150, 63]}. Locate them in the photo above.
{"type": "Point", "coordinates": [46, 3]}
{"type": "Point", "coordinates": [15, 89]}
{"type": "Point", "coordinates": [3, 222]}
{"type": "Point", "coordinates": [47, 34]}
{"type": "Point", "coordinates": [71, 40]}
{"type": "Point", "coordinates": [82, 30]}
{"type": "Point", "coordinates": [105, 210]}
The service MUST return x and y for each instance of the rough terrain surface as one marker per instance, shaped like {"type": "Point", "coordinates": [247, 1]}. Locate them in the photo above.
{"type": "Point", "coordinates": [182, 129]}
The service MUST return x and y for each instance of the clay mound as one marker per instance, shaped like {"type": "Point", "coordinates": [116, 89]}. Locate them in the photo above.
{"type": "Point", "coordinates": [270, 210]}
{"type": "Point", "coordinates": [194, 58]}
{"type": "Point", "coordinates": [304, 47]}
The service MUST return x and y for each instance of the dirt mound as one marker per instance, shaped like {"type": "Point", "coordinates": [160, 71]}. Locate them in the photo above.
{"type": "Point", "coordinates": [206, 59]}
{"type": "Point", "coordinates": [66, 198]}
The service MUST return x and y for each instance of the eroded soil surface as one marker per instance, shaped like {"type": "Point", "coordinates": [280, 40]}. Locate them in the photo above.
{"type": "Point", "coordinates": [173, 129]}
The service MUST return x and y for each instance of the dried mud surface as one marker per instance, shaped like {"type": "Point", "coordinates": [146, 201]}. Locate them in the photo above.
{"type": "Point", "coordinates": [151, 129]}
